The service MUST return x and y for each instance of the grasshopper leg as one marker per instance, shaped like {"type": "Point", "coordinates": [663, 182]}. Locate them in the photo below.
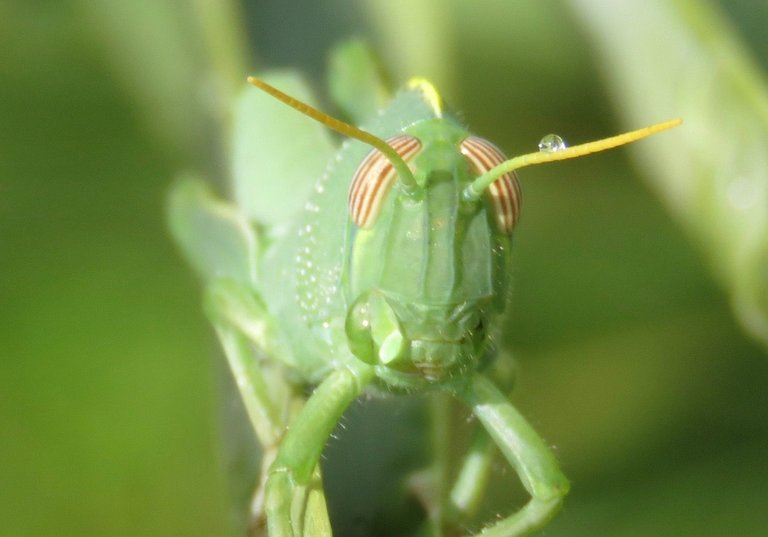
{"type": "Point", "coordinates": [242, 325]}
{"type": "Point", "coordinates": [241, 321]}
{"type": "Point", "coordinates": [290, 476]}
{"type": "Point", "coordinates": [526, 452]}
{"type": "Point", "coordinates": [473, 476]}
{"type": "Point", "coordinates": [470, 484]}
{"type": "Point", "coordinates": [224, 247]}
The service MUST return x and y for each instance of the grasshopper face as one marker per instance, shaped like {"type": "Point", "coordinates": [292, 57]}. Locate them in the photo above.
{"type": "Point", "coordinates": [426, 270]}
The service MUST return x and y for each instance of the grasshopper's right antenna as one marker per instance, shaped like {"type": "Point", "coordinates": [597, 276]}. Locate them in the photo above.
{"type": "Point", "coordinates": [475, 189]}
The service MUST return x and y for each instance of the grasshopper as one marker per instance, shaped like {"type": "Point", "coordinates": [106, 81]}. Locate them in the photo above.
{"type": "Point", "coordinates": [389, 273]}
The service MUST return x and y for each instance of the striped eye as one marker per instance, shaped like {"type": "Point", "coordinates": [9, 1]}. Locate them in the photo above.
{"type": "Point", "coordinates": [504, 193]}
{"type": "Point", "coordinates": [374, 177]}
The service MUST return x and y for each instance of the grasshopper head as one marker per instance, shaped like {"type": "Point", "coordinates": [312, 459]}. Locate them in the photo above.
{"type": "Point", "coordinates": [427, 273]}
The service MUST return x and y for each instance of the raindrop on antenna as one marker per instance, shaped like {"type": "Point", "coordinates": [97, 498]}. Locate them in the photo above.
{"type": "Point", "coordinates": [551, 143]}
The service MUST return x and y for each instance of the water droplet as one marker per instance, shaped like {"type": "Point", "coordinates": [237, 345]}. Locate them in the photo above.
{"type": "Point", "coordinates": [551, 143]}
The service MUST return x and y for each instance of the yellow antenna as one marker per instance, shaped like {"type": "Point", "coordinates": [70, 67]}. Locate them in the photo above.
{"type": "Point", "coordinates": [475, 189]}
{"type": "Point", "coordinates": [402, 169]}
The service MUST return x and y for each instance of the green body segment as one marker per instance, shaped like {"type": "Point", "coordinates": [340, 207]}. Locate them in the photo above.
{"type": "Point", "coordinates": [438, 267]}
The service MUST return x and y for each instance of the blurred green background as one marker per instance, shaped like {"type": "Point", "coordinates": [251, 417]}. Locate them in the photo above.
{"type": "Point", "coordinates": [641, 285]}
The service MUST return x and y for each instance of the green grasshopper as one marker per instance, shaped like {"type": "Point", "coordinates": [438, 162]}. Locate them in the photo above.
{"type": "Point", "coordinates": [387, 273]}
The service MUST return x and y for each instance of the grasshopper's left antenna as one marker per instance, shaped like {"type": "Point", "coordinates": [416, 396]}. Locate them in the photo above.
{"type": "Point", "coordinates": [402, 169]}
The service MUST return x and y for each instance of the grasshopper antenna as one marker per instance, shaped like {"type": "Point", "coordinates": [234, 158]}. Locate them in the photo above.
{"type": "Point", "coordinates": [558, 151]}
{"type": "Point", "coordinates": [403, 171]}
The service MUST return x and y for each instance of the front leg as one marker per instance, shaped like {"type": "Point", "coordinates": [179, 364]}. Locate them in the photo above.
{"type": "Point", "coordinates": [290, 488]}
{"type": "Point", "coordinates": [243, 327]}
{"type": "Point", "coordinates": [528, 454]}
{"type": "Point", "coordinates": [223, 246]}
{"type": "Point", "coordinates": [241, 322]}
{"type": "Point", "coordinates": [474, 474]}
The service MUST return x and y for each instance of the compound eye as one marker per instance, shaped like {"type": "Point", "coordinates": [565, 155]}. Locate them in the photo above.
{"type": "Point", "coordinates": [504, 193]}
{"type": "Point", "coordinates": [375, 177]}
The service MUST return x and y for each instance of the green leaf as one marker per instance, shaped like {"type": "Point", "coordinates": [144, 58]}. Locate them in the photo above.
{"type": "Point", "coordinates": [277, 153]}
{"type": "Point", "coordinates": [216, 239]}
{"type": "Point", "coordinates": [356, 81]}
{"type": "Point", "coordinates": [681, 58]}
